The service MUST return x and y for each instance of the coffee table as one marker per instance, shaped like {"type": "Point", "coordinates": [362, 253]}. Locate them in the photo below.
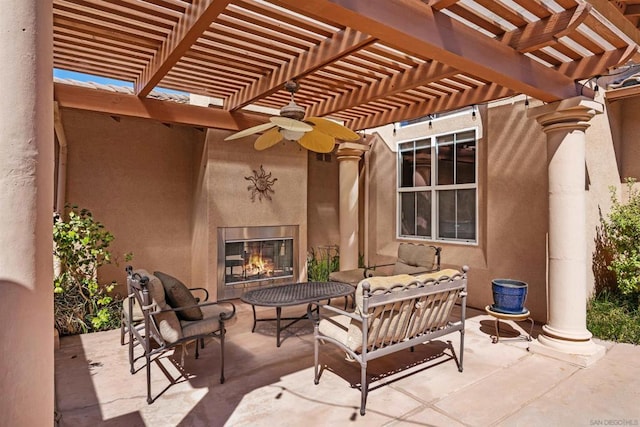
{"type": "Point", "coordinates": [293, 294]}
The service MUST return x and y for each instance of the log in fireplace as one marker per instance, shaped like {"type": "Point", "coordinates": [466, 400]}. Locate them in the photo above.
{"type": "Point", "coordinates": [255, 256]}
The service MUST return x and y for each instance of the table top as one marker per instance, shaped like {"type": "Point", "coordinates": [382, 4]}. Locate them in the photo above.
{"type": "Point", "coordinates": [519, 316]}
{"type": "Point", "coordinates": [296, 293]}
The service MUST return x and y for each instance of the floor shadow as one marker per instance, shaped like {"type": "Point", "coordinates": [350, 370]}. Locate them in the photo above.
{"type": "Point", "coordinates": [390, 368]}
{"type": "Point", "coordinates": [507, 329]}
{"type": "Point", "coordinates": [74, 385]}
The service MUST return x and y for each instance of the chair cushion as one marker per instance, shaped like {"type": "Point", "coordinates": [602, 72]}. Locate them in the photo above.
{"type": "Point", "coordinates": [210, 321]}
{"type": "Point", "coordinates": [167, 322]}
{"type": "Point", "coordinates": [178, 295]}
{"type": "Point", "coordinates": [351, 277]}
{"type": "Point", "coordinates": [414, 258]}
{"type": "Point", "coordinates": [340, 328]}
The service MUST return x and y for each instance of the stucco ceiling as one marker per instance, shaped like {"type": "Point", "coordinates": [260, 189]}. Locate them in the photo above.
{"type": "Point", "coordinates": [367, 62]}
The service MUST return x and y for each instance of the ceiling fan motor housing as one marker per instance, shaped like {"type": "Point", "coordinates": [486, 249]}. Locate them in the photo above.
{"type": "Point", "coordinates": [292, 111]}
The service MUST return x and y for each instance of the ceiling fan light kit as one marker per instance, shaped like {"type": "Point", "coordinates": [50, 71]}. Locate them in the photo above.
{"type": "Point", "coordinates": [314, 133]}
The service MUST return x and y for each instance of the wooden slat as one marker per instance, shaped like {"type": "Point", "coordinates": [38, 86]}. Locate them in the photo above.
{"type": "Point", "coordinates": [328, 51]}
{"type": "Point", "coordinates": [458, 100]}
{"type": "Point", "coordinates": [187, 31]}
{"type": "Point", "coordinates": [400, 82]}
{"type": "Point", "coordinates": [503, 11]}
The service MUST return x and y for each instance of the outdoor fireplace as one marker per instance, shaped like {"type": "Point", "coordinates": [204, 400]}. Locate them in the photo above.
{"type": "Point", "coordinates": [255, 256]}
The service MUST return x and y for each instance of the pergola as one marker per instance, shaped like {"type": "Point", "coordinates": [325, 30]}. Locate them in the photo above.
{"type": "Point", "coordinates": [365, 62]}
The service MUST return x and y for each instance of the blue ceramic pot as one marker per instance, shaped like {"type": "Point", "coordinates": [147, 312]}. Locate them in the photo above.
{"type": "Point", "coordinates": [509, 296]}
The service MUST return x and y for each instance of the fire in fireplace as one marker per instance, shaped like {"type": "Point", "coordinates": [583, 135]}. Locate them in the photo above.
{"type": "Point", "coordinates": [255, 256]}
{"type": "Point", "coordinates": [249, 260]}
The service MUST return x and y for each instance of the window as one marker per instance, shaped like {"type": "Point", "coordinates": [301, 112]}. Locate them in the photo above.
{"type": "Point", "coordinates": [437, 187]}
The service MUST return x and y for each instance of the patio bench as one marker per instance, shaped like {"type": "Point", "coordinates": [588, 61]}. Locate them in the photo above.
{"type": "Point", "coordinates": [391, 314]}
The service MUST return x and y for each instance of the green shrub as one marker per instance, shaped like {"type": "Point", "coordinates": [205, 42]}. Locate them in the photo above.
{"type": "Point", "coordinates": [614, 317]}
{"type": "Point", "coordinates": [622, 231]}
{"type": "Point", "coordinates": [81, 304]}
{"type": "Point", "coordinates": [614, 312]}
{"type": "Point", "coordinates": [321, 262]}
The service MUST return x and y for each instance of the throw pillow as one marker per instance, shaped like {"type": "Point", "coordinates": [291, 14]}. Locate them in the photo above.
{"type": "Point", "coordinates": [178, 295]}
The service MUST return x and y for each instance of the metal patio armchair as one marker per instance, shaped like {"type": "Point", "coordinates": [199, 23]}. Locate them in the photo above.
{"type": "Point", "coordinates": [162, 330]}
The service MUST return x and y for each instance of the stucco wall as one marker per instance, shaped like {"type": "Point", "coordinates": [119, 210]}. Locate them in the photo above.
{"type": "Point", "coordinates": [629, 137]}
{"type": "Point", "coordinates": [137, 177]}
{"type": "Point", "coordinates": [323, 201]}
{"type": "Point", "coordinates": [229, 203]}
{"type": "Point", "coordinates": [517, 203]}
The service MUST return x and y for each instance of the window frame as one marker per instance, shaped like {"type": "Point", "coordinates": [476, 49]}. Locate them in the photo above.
{"type": "Point", "coordinates": [434, 188]}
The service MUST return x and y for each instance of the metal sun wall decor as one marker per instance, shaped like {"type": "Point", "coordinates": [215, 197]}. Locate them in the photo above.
{"type": "Point", "coordinates": [261, 183]}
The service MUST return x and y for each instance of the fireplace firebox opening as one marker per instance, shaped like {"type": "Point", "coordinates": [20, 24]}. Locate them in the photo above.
{"type": "Point", "coordinates": [255, 256]}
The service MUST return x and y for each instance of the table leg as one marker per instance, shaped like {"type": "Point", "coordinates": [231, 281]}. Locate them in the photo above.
{"type": "Point", "coordinates": [497, 337]}
{"type": "Point", "coordinates": [530, 329]}
{"type": "Point", "coordinates": [278, 312]}
{"type": "Point", "coordinates": [253, 307]}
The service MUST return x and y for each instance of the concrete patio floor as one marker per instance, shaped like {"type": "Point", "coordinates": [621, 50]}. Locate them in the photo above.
{"type": "Point", "coordinates": [502, 384]}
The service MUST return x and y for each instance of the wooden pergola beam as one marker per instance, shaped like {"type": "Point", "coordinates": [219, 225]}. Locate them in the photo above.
{"type": "Point", "coordinates": [432, 34]}
{"type": "Point", "coordinates": [341, 44]}
{"type": "Point", "coordinates": [619, 24]}
{"type": "Point", "coordinates": [190, 27]}
{"type": "Point", "coordinates": [119, 104]}
{"type": "Point", "coordinates": [546, 31]}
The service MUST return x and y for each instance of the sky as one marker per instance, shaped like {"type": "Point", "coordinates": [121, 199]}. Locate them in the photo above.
{"type": "Point", "coordinates": [64, 74]}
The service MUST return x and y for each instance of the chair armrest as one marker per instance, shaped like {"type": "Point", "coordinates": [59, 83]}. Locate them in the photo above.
{"type": "Point", "coordinates": [369, 271]}
{"type": "Point", "coordinates": [223, 316]}
{"type": "Point", "coordinates": [325, 306]}
{"type": "Point", "coordinates": [206, 293]}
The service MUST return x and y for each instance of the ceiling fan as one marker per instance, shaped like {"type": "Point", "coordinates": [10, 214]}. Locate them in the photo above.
{"type": "Point", "coordinates": [313, 133]}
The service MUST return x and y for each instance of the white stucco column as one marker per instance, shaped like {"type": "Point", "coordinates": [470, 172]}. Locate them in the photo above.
{"type": "Point", "coordinates": [565, 335]}
{"type": "Point", "coordinates": [349, 154]}
{"type": "Point", "coordinates": [26, 210]}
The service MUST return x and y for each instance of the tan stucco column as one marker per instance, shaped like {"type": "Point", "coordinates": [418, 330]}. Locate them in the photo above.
{"type": "Point", "coordinates": [349, 155]}
{"type": "Point", "coordinates": [565, 335]}
{"type": "Point", "coordinates": [26, 209]}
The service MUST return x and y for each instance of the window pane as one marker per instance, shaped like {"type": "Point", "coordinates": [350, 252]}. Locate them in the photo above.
{"type": "Point", "coordinates": [447, 214]}
{"type": "Point", "coordinates": [422, 177]}
{"type": "Point", "coordinates": [457, 214]}
{"type": "Point", "coordinates": [445, 165]}
{"type": "Point", "coordinates": [466, 162]}
{"type": "Point", "coordinates": [445, 139]}
{"type": "Point", "coordinates": [466, 221]}
{"type": "Point", "coordinates": [407, 214]}
{"type": "Point", "coordinates": [406, 169]}
{"type": "Point", "coordinates": [423, 220]}
{"type": "Point", "coordinates": [469, 135]}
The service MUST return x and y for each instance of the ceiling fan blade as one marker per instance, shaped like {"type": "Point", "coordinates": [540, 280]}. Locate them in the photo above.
{"type": "Point", "coordinates": [334, 129]}
{"type": "Point", "coordinates": [317, 141]}
{"type": "Point", "coordinates": [250, 131]}
{"type": "Point", "coordinates": [268, 139]}
{"type": "Point", "coordinates": [291, 124]}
